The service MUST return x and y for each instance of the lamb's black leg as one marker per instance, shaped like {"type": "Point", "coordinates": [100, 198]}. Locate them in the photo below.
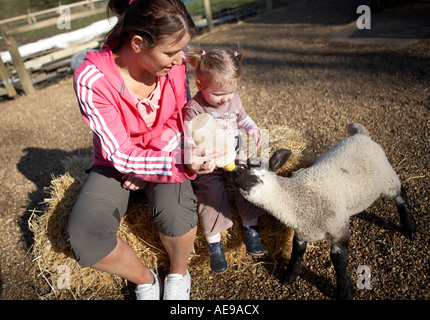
{"type": "Point", "coordinates": [339, 257]}
{"type": "Point", "coordinates": [294, 269]}
{"type": "Point", "coordinates": [407, 221]}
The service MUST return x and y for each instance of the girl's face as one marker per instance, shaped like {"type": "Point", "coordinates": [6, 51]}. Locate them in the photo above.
{"type": "Point", "coordinates": [160, 59]}
{"type": "Point", "coordinates": [216, 94]}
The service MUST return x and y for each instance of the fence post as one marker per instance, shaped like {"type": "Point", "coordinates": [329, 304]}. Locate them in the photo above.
{"type": "Point", "coordinates": [31, 18]}
{"type": "Point", "coordinates": [4, 75]}
{"type": "Point", "coordinates": [269, 5]}
{"type": "Point", "coordinates": [208, 13]}
{"type": "Point", "coordinates": [24, 77]}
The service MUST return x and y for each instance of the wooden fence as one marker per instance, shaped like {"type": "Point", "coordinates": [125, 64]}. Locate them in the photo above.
{"type": "Point", "coordinates": [33, 21]}
{"type": "Point", "coordinates": [37, 20]}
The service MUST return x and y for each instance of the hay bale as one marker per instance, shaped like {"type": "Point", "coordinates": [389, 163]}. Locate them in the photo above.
{"type": "Point", "coordinates": [62, 276]}
{"type": "Point", "coordinates": [281, 137]}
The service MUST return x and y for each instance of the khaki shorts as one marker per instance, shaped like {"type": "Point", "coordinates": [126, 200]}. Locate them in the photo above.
{"type": "Point", "coordinates": [102, 203]}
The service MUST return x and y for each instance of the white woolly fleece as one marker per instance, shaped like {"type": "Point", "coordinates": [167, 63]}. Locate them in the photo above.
{"type": "Point", "coordinates": [318, 201]}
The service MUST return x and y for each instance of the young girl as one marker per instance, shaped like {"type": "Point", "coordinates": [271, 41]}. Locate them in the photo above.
{"type": "Point", "coordinates": [217, 78]}
{"type": "Point", "coordinates": [131, 94]}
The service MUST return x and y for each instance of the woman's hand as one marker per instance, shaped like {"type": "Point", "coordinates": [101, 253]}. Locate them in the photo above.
{"type": "Point", "coordinates": [202, 161]}
{"type": "Point", "coordinates": [132, 183]}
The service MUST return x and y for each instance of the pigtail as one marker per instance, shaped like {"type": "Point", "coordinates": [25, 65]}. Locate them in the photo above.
{"type": "Point", "coordinates": [238, 56]}
{"type": "Point", "coordinates": [194, 56]}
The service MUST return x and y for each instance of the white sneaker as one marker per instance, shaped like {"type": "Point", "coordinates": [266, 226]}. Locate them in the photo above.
{"type": "Point", "coordinates": [177, 286]}
{"type": "Point", "coordinates": [149, 291]}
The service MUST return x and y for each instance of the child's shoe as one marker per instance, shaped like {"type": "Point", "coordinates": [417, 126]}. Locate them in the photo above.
{"type": "Point", "coordinates": [217, 257]}
{"type": "Point", "coordinates": [251, 237]}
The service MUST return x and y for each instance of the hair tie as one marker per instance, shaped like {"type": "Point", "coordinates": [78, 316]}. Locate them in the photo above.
{"type": "Point", "coordinates": [203, 51]}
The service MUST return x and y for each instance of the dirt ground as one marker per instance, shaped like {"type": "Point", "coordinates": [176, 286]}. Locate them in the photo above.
{"type": "Point", "coordinates": [294, 74]}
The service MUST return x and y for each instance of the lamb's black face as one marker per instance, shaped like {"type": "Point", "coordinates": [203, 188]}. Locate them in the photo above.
{"type": "Point", "coordinates": [243, 178]}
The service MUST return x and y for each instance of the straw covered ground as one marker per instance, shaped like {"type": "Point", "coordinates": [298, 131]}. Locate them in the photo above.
{"type": "Point", "coordinates": [297, 83]}
{"type": "Point", "coordinates": [53, 257]}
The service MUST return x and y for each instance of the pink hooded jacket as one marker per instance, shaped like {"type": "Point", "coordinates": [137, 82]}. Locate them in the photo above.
{"type": "Point", "coordinates": [121, 138]}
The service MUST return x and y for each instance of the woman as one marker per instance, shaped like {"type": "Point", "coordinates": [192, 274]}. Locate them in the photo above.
{"type": "Point", "coordinates": [131, 94]}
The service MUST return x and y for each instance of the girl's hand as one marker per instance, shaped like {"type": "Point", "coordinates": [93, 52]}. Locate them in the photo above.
{"type": "Point", "coordinates": [132, 183]}
{"type": "Point", "coordinates": [202, 161]}
{"type": "Point", "coordinates": [256, 134]}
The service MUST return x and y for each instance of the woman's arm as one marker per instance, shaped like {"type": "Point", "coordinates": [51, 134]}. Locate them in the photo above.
{"type": "Point", "coordinates": [112, 140]}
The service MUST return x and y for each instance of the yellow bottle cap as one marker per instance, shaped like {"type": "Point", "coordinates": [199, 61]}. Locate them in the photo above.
{"type": "Point", "coordinates": [230, 167]}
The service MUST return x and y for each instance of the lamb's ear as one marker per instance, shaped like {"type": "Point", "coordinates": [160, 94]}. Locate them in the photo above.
{"type": "Point", "coordinates": [278, 159]}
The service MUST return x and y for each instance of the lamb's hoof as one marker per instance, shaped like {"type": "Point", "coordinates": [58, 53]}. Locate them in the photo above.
{"type": "Point", "coordinates": [345, 295]}
{"type": "Point", "coordinates": [409, 230]}
{"type": "Point", "coordinates": [289, 277]}
{"type": "Point", "coordinates": [344, 290]}
{"type": "Point", "coordinates": [409, 234]}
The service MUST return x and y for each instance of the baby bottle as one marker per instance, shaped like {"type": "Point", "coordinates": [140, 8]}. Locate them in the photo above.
{"type": "Point", "coordinates": [207, 134]}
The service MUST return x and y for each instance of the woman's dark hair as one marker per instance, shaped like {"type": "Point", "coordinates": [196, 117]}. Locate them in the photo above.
{"type": "Point", "coordinates": [153, 20]}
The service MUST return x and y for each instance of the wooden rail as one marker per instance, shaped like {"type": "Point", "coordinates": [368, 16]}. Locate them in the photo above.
{"type": "Point", "coordinates": [45, 18]}
{"type": "Point", "coordinates": [35, 22]}
{"type": "Point", "coordinates": [31, 17]}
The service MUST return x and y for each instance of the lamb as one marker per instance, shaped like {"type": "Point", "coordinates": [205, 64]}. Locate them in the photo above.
{"type": "Point", "coordinates": [318, 201]}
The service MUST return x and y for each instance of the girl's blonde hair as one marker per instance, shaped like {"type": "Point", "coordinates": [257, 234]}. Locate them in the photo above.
{"type": "Point", "coordinates": [221, 65]}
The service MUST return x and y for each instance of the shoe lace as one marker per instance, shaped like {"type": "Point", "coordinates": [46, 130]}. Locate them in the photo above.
{"type": "Point", "coordinates": [173, 289]}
